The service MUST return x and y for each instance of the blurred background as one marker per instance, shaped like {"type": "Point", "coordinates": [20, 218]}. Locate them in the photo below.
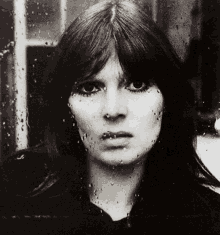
{"type": "Point", "coordinates": [29, 30]}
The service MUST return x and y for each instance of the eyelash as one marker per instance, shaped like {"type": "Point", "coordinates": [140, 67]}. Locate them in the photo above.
{"type": "Point", "coordinates": [145, 88]}
{"type": "Point", "coordinates": [79, 91]}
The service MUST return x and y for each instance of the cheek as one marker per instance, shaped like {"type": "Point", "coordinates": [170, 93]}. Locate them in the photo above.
{"type": "Point", "coordinates": [148, 110]}
{"type": "Point", "coordinates": [157, 114]}
{"type": "Point", "coordinates": [156, 107]}
{"type": "Point", "coordinates": [83, 114]}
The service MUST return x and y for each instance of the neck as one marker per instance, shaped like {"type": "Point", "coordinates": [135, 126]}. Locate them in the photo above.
{"type": "Point", "coordinates": [113, 188]}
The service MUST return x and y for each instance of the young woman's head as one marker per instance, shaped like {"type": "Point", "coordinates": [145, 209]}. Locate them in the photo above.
{"type": "Point", "coordinates": [115, 71]}
{"type": "Point", "coordinates": [119, 120]}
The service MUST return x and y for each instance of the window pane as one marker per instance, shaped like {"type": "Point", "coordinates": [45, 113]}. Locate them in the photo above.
{"type": "Point", "coordinates": [43, 19]}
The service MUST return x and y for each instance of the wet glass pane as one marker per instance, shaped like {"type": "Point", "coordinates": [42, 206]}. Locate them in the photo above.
{"type": "Point", "coordinates": [43, 19]}
{"type": "Point", "coordinates": [7, 141]}
{"type": "Point", "coordinates": [74, 7]}
{"type": "Point", "coordinates": [38, 59]}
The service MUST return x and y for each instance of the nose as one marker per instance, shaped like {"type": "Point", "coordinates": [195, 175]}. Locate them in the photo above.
{"type": "Point", "coordinates": [115, 105]}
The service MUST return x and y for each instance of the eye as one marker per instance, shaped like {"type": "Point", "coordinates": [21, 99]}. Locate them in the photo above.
{"type": "Point", "coordinates": [87, 88]}
{"type": "Point", "coordinates": [137, 86]}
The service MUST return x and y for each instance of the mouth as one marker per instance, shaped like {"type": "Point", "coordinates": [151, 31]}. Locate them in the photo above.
{"type": "Point", "coordinates": [116, 135]}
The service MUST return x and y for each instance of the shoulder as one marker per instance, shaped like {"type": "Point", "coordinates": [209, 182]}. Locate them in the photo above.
{"type": "Point", "coordinates": [30, 172]}
{"type": "Point", "coordinates": [201, 211]}
{"type": "Point", "coordinates": [28, 185]}
{"type": "Point", "coordinates": [186, 199]}
{"type": "Point", "coordinates": [198, 199]}
{"type": "Point", "coordinates": [209, 196]}
{"type": "Point", "coordinates": [23, 171]}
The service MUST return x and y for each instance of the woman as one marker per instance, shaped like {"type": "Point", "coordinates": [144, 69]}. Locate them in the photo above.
{"type": "Point", "coordinates": [119, 134]}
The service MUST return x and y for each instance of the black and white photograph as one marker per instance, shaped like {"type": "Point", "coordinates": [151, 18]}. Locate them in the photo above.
{"type": "Point", "coordinates": [109, 117]}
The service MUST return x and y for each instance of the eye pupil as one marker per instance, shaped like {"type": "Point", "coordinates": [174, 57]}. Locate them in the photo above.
{"type": "Point", "coordinates": [137, 84]}
{"type": "Point", "coordinates": [88, 87]}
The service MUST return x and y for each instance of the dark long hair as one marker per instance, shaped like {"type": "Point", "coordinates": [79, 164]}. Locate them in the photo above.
{"type": "Point", "coordinates": [144, 52]}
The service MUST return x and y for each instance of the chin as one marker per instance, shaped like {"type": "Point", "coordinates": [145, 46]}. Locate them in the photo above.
{"type": "Point", "coordinates": [120, 160]}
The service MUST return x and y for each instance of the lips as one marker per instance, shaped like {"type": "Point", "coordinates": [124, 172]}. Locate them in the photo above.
{"type": "Point", "coordinates": [115, 135]}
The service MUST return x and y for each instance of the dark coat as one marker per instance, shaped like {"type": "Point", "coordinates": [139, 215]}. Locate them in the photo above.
{"type": "Point", "coordinates": [65, 208]}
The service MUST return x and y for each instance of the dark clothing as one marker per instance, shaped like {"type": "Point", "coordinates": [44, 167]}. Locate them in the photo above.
{"type": "Point", "coordinates": [65, 207]}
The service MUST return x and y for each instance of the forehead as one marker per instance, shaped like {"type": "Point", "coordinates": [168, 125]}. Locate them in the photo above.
{"type": "Point", "coordinates": [112, 69]}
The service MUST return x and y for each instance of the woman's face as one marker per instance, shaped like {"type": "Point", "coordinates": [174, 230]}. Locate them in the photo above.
{"type": "Point", "coordinates": [118, 122]}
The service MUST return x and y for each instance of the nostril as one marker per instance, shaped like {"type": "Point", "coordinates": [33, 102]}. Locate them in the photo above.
{"type": "Point", "coordinates": [110, 117]}
{"type": "Point", "coordinates": [115, 117]}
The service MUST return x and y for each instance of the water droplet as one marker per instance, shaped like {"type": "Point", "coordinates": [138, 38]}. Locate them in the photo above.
{"type": "Point", "coordinates": [90, 185]}
{"type": "Point", "coordinates": [84, 136]}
